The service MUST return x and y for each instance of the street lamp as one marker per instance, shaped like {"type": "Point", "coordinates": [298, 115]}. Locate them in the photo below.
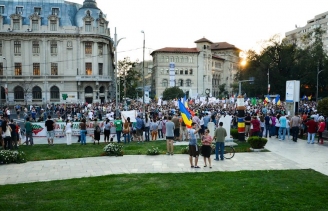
{"type": "Point", "coordinates": [143, 74]}
{"type": "Point", "coordinates": [115, 43]}
{"type": "Point", "coordinates": [316, 97]}
{"type": "Point", "coordinates": [251, 79]}
{"type": "Point", "coordinates": [5, 88]}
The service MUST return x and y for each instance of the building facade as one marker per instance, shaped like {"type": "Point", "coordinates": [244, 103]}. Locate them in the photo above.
{"type": "Point", "coordinates": [54, 51]}
{"type": "Point", "coordinates": [296, 35]}
{"type": "Point", "coordinates": [207, 66]}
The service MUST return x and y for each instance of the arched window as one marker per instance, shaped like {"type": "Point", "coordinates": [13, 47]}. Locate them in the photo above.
{"type": "Point", "coordinates": [37, 93]}
{"type": "Point", "coordinates": [176, 59]}
{"type": "Point", "coordinates": [165, 82]}
{"type": "Point", "coordinates": [172, 59]}
{"type": "Point", "coordinates": [186, 71]}
{"type": "Point", "coordinates": [180, 82]}
{"type": "Point", "coordinates": [102, 89]}
{"type": "Point", "coordinates": [88, 90]}
{"type": "Point", "coordinates": [181, 59]}
{"type": "Point", "coordinates": [19, 93]}
{"type": "Point", "coordinates": [54, 93]}
{"type": "Point", "coordinates": [181, 72]}
{"type": "Point", "coordinates": [190, 72]}
{"type": "Point", "coordinates": [188, 82]}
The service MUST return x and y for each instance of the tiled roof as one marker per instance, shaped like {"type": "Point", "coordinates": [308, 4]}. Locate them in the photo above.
{"type": "Point", "coordinates": [176, 50]}
{"type": "Point", "coordinates": [222, 45]}
{"type": "Point", "coordinates": [203, 40]}
{"type": "Point", "coordinates": [217, 57]}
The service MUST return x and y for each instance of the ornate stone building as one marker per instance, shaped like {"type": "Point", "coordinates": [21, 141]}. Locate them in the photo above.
{"type": "Point", "coordinates": [204, 67]}
{"type": "Point", "coordinates": [54, 51]}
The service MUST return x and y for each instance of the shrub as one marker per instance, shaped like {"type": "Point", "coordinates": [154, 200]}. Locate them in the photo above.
{"type": "Point", "coordinates": [234, 133]}
{"type": "Point", "coordinates": [113, 149]}
{"type": "Point", "coordinates": [153, 151]}
{"type": "Point", "coordinates": [185, 150]}
{"type": "Point", "coordinates": [257, 142]}
{"type": "Point", "coordinates": [7, 156]}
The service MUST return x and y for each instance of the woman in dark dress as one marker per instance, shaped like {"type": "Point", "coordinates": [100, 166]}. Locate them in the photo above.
{"type": "Point", "coordinates": [206, 147]}
{"type": "Point", "coordinates": [96, 134]}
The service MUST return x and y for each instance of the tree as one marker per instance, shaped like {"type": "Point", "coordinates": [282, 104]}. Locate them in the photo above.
{"type": "Point", "coordinates": [323, 106]}
{"type": "Point", "coordinates": [222, 90]}
{"type": "Point", "coordinates": [129, 78]}
{"type": "Point", "coordinates": [172, 93]}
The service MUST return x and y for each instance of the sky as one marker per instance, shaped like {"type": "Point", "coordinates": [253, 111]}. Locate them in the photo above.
{"type": "Point", "coordinates": [179, 23]}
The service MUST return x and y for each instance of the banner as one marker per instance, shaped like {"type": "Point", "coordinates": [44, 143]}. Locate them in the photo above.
{"type": "Point", "coordinates": [40, 130]}
{"type": "Point", "coordinates": [172, 74]}
{"type": "Point", "coordinates": [132, 114]}
{"type": "Point", "coordinates": [147, 97]}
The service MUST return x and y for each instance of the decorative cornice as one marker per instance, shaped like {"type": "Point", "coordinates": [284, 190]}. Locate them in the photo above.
{"type": "Point", "coordinates": [53, 17]}
{"type": "Point", "coordinates": [15, 16]}
{"type": "Point", "coordinates": [35, 16]}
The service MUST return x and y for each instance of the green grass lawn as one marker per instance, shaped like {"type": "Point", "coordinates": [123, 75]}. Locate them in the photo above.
{"type": "Point", "coordinates": [62, 151]}
{"type": "Point", "coordinates": [244, 190]}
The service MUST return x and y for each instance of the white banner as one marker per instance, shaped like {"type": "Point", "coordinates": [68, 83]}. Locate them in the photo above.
{"type": "Point", "coordinates": [172, 74]}
{"type": "Point", "coordinates": [132, 114]}
{"type": "Point", "coordinates": [147, 97]}
{"type": "Point", "coordinates": [40, 130]}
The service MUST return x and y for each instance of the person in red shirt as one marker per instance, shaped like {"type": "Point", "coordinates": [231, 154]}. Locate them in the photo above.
{"type": "Point", "coordinates": [322, 126]}
{"type": "Point", "coordinates": [256, 126]}
{"type": "Point", "coordinates": [312, 129]}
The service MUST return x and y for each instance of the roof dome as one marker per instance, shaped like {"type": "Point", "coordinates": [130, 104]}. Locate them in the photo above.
{"type": "Point", "coordinates": [89, 8]}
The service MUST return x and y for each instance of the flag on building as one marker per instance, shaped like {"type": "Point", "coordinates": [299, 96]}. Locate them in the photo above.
{"type": "Point", "coordinates": [186, 117]}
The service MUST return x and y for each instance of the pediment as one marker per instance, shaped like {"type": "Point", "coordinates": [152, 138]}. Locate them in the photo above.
{"type": "Point", "coordinates": [35, 16]}
{"type": "Point", "coordinates": [15, 16]}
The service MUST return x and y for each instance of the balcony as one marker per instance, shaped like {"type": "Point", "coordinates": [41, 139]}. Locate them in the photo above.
{"type": "Point", "coordinates": [93, 78]}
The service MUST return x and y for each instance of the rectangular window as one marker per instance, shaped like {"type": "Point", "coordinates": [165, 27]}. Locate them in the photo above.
{"type": "Point", "coordinates": [53, 47]}
{"type": "Point", "coordinates": [18, 68]}
{"type": "Point", "coordinates": [37, 10]}
{"type": "Point", "coordinates": [35, 25]}
{"type": "Point", "coordinates": [88, 26]}
{"type": "Point", "coordinates": [101, 28]}
{"type": "Point", "coordinates": [16, 24]}
{"type": "Point", "coordinates": [19, 10]}
{"type": "Point", "coordinates": [88, 68]}
{"type": "Point", "coordinates": [100, 49]}
{"type": "Point", "coordinates": [2, 9]}
{"type": "Point", "coordinates": [190, 59]}
{"type": "Point", "coordinates": [17, 47]}
{"type": "Point", "coordinates": [55, 11]}
{"type": "Point", "coordinates": [0, 47]}
{"type": "Point", "coordinates": [54, 69]}
{"type": "Point", "coordinates": [53, 25]}
{"type": "Point", "coordinates": [36, 68]}
{"type": "Point", "coordinates": [35, 47]}
{"type": "Point", "coordinates": [1, 68]}
{"type": "Point", "coordinates": [88, 48]}
{"type": "Point", "coordinates": [100, 69]}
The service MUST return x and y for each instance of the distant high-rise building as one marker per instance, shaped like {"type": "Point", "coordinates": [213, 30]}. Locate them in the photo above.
{"type": "Point", "coordinates": [295, 36]}
{"type": "Point", "coordinates": [54, 51]}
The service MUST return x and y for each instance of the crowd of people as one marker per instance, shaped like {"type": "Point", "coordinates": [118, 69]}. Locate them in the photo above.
{"type": "Point", "coordinates": [163, 121]}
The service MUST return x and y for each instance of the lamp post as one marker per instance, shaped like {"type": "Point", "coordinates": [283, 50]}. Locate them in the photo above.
{"type": "Point", "coordinates": [5, 88]}
{"type": "Point", "coordinates": [317, 93]}
{"type": "Point", "coordinates": [268, 82]}
{"type": "Point", "coordinates": [116, 42]}
{"type": "Point", "coordinates": [143, 74]}
{"type": "Point", "coordinates": [239, 92]}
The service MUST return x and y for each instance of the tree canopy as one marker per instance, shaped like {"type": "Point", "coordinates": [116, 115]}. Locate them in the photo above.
{"type": "Point", "coordinates": [286, 61]}
{"type": "Point", "coordinates": [172, 93]}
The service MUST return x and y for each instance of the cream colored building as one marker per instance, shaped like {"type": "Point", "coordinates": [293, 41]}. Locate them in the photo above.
{"type": "Point", "coordinates": [206, 66]}
{"type": "Point", "coordinates": [296, 35]}
{"type": "Point", "coordinates": [54, 49]}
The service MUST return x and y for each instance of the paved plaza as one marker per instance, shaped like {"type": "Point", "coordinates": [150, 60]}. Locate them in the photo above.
{"type": "Point", "coordinates": [283, 155]}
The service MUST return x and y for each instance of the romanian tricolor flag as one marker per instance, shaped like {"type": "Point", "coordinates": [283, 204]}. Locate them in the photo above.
{"type": "Point", "coordinates": [278, 100]}
{"type": "Point", "coordinates": [266, 100]}
{"type": "Point", "coordinates": [186, 117]}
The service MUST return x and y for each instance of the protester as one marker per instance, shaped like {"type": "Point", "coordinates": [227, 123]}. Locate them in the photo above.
{"type": "Point", "coordinates": [193, 147]}
{"type": "Point", "coordinates": [28, 132]}
{"type": "Point", "coordinates": [118, 125]}
{"type": "Point", "coordinates": [106, 130]}
{"type": "Point", "coordinates": [219, 136]}
{"type": "Point", "coordinates": [206, 147]}
{"type": "Point", "coordinates": [83, 131]}
{"type": "Point", "coordinates": [96, 131]}
{"type": "Point", "coordinates": [321, 128]}
{"type": "Point", "coordinates": [311, 128]}
{"type": "Point", "coordinates": [50, 125]}
{"type": "Point", "coordinates": [169, 125]}
{"type": "Point", "coordinates": [68, 131]}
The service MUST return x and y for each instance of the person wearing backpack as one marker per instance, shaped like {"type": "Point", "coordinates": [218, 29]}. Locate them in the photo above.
{"type": "Point", "coordinates": [97, 130]}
